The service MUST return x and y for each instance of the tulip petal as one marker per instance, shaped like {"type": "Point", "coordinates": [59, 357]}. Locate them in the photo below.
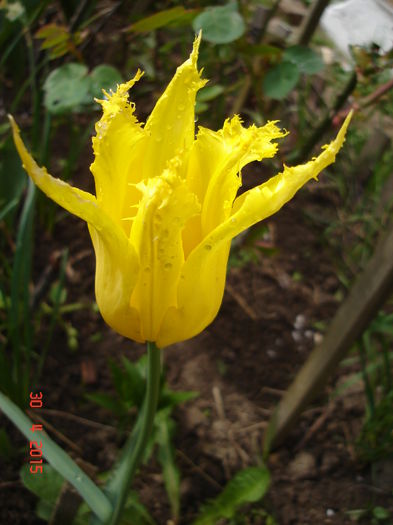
{"type": "Point", "coordinates": [200, 292]}
{"type": "Point", "coordinates": [171, 124]}
{"type": "Point", "coordinates": [215, 163]}
{"type": "Point", "coordinates": [117, 271]}
{"type": "Point", "coordinates": [119, 149]}
{"type": "Point", "coordinates": [165, 206]}
{"type": "Point", "coordinates": [116, 260]}
{"type": "Point", "coordinates": [204, 269]}
{"type": "Point", "coordinates": [78, 202]}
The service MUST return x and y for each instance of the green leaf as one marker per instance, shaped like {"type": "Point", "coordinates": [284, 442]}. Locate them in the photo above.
{"type": "Point", "coordinates": [220, 25]}
{"type": "Point", "coordinates": [60, 461]}
{"type": "Point", "coordinates": [104, 77]}
{"type": "Point", "coordinates": [161, 19]}
{"type": "Point", "coordinates": [19, 313]}
{"type": "Point", "coordinates": [45, 485]}
{"type": "Point", "coordinates": [280, 80]}
{"type": "Point", "coordinates": [166, 456]}
{"type": "Point", "coordinates": [135, 381]}
{"type": "Point", "coordinates": [200, 107]}
{"type": "Point", "coordinates": [12, 176]}
{"type": "Point", "coordinates": [209, 93]}
{"type": "Point", "coordinates": [67, 88]}
{"type": "Point", "coordinates": [7, 209]}
{"type": "Point", "coordinates": [380, 513]}
{"type": "Point", "coordinates": [307, 60]}
{"type": "Point", "coordinates": [70, 87]}
{"type": "Point", "coordinates": [170, 399]}
{"type": "Point", "coordinates": [135, 513]}
{"type": "Point", "coordinates": [106, 401]}
{"type": "Point", "coordinates": [247, 486]}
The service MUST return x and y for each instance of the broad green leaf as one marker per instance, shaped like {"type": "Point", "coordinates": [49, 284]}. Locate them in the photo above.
{"type": "Point", "coordinates": [70, 87]}
{"type": "Point", "coordinates": [307, 60]}
{"type": "Point", "coordinates": [220, 25]}
{"type": "Point", "coordinates": [104, 77]}
{"type": "Point", "coordinates": [247, 486]}
{"type": "Point", "coordinates": [161, 19]}
{"type": "Point", "coordinates": [44, 510]}
{"type": "Point", "coordinates": [280, 80]}
{"type": "Point", "coordinates": [45, 485]}
{"type": "Point", "coordinates": [67, 88]}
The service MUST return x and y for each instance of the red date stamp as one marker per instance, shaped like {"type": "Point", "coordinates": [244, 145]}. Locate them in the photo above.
{"type": "Point", "coordinates": [36, 401]}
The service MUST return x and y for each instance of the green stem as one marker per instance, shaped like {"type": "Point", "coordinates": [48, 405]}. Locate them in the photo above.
{"type": "Point", "coordinates": [119, 486]}
{"type": "Point", "coordinates": [367, 384]}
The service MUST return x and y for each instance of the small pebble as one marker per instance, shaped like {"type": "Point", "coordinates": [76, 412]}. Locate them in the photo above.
{"type": "Point", "coordinates": [303, 466]}
{"type": "Point", "coordinates": [318, 338]}
{"type": "Point", "coordinates": [300, 322]}
{"type": "Point", "coordinates": [296, 336]}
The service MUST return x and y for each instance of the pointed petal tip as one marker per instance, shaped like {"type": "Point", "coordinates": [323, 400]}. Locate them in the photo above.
{"type": "Point", "coordinates": [340, 138]}
{"type": "Point", "coordinates": [195, 48]}
{"type": "Point", "coordinates": [14, 125]}
{"type": "Point", "coordinates": [347, 120]}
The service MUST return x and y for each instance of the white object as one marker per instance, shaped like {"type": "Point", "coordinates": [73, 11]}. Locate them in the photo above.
{"type": "Point", "coordinates": [359, 23]}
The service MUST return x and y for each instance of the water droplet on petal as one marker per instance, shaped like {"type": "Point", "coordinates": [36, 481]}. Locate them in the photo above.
{"type": "Point", "coordinates": [181, 107]}
{"type": "Point", "coordinates": [168, 266]}
{"type": "Point", "coordinates": [208, 247]}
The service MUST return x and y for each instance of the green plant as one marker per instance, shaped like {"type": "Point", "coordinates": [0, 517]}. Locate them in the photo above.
{"type": "Point", "coordinates": [129, 382]}
{"type": "Point", "coordinates": [247, 486]}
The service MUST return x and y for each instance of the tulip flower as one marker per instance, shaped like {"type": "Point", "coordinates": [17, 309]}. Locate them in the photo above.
{"type": "Point", "coordinates": [166, 206]}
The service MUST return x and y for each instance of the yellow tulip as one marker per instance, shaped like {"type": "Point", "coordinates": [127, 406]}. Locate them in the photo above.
{"type": "Point", "coordinates": [166, 206]}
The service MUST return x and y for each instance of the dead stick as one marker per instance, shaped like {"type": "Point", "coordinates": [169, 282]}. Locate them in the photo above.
{"type": "Point", "coordinates": [310, 23]}
{"type": "Point", "coordinates": [365, 298]}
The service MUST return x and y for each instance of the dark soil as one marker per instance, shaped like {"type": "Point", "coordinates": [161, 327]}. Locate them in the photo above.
{"type": "Point", "coordinates": [240, 365]}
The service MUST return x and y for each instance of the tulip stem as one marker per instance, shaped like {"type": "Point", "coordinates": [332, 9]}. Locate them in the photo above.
{"type": "Point", "coordinates": [118, 487]}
